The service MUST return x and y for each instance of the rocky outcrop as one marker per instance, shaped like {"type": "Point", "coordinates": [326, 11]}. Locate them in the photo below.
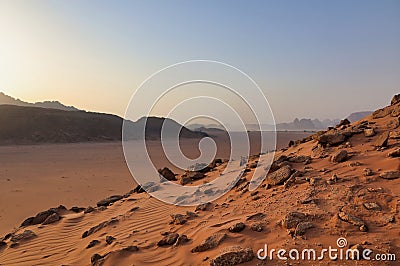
{"type": "Point", "coordinates": [210, 242]}
{"type": "Point", "coordinates": [107, 201]}
{"type": "Point", "coordinates": [233, 256]}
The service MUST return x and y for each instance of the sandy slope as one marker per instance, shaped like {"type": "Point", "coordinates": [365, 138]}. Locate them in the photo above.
{"type": "Point", "coordinates": [322, 192]}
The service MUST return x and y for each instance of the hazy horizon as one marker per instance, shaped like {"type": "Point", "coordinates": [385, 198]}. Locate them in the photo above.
{"type": "Point", "coordinates": [311, 59]}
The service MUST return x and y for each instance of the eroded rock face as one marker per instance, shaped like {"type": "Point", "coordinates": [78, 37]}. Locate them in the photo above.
{"type": "Point", "coordinates": [233, 256]}
{"type": "Point", "coordinates": [210, 242]}
{"type": "Point", "coordinates": [279, 176]}
{"type": "Point", "coordinates": [395, 99]}
{"type": "Point", "coordinates": [339, 156]}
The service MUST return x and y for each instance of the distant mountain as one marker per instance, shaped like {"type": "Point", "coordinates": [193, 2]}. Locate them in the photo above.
{"type": "Point", "coordinates": [358, 115]}
{"type": "Point", "coordinates": [31, 125]}
{"type": "Point", "coordinates": [5, 99]}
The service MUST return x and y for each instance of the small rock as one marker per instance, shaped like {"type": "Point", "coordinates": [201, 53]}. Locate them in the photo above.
{"type": "Point", "coordinates": [204, 206]}
{"type": "Point", "coordinates": [185, 180]}
{"type": "Point", "coordinates": [292, 219]}
{"type": "Point", "coordinates": [339, 156]}
{"type": "Point", "coordinates": [182, 239]}
{"type": "Point", "coordinates": [256, 216]}
{"type": "Point", "coordinates": [52, 219]}
{"type": "Point", "coordinates": [109, 200]}
{"type": "Point", "coordinates": [368, 172]}
{"type": "Point", "coordinates": [394, 153]}
{"type": "Point", "coordinates": [210, 242]}
{"type": "Point", "coordinates": [236, 228]}
{"type": "Point", "coordinates": [167, 174]}
{"type": "Point", "coordinates": [93, 243]}
{"type": "Point", "coordinates": [372, 206]}
{"type": "Point", "coordinates": [232, 256]}
{"type": "Point", "coordinates": [96, 259]}
{"type": "Point", "coordinates": [26, 235]}
{"type": "Point", "coordinates": [299, 159]}
{"type": "Point", "coordinates": [382, 140]}
{"type": "Point", "coordinates": [353, 220]}
{"type": "Point", "coordinates": [89, 209]}
{"type": "Point", "coordinates": [168, 240]}
{"type": "Point", "coordinates": [258, 227]}
{"type": "Point", "coordinates": [178, 219]}
{"type": "Point", "coordinates": [390, 175]}
{"type": "Point", "coordinates": [333, 139]}
{"type": "Point", "coordinates": [369, 132]}
{"type": "Point", "coordinates": [195, 175]}
{"type": "Point", "coordinates": [130, 249]}
{"type": "Point", "coordinates": [109, 239]}
{"type": "Point", "coordinates": [77, 209]}
{"type": "Point", "coordinates": [279, 176]}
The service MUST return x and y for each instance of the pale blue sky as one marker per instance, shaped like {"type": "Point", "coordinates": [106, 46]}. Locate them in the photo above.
{"type": "Point", "coordinates": [320, 59]}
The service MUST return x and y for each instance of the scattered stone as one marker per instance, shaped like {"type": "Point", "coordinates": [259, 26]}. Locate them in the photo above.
{"type": "Point", "coordinates": [26, 235]}
{"type": "Point", "coordinates": [372, 206]}
{"type": "Point", "coordinates": [204, 206]}
{"type": "Point", "coordinates": [168, 240]}
{"type": "Point", "coordinates": [110, 239]}
{"type": "Point", "coordinates": [382, 140]}
{"type": "Point", "coordinates": [258, 227]}
{"type": "Point", "coordinates": [232, 256]}
{"type": "Point", "coordinates": [394, 153]}
{"type": "Point", "coordinates": [42, 216]}
{"type": "Point", "coordinates": [390, 175]}
{"type": "Point", "coordinates": [210, 242]}
{"type": "Point", "coordinates": [339, 156]}
{"type": "Point", "coordinates": [353, 220]}
{"type": "Point", "coordinates": [368, 172]}
{"type": "Point", "coordinates": [236, 228]}
{"type": "Point", "coordinates": [279, 176]}
{"type": "Point", "coordinates": [182, 239]}
{"type": "Point", "coordinates": [89, 209]}
{"type": "Point", "coordinates": [302, 227]}
{"type": "Point", "coordinates": [52, 219]}
{"type": "Point", "coordinates": [93, 243]}
{"type": "Point", "coordinates": [178, 219]}
{"type": "Point", "coordinates": [292, 219]}
{"type": "Point", "coordinates": [167, 174]}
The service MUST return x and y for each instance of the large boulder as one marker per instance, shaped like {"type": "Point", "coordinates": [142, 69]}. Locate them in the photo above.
{"type": "Point", "coordinates": [382, 140]}
{"type": "Point", "coordinates": [232, 256]}
{"type": "Point", "coordinates": [331, 139]}
{"type": "Point", "coordinates": [339, 156]}
{"type": "Point", "coordinates": [42, 216]}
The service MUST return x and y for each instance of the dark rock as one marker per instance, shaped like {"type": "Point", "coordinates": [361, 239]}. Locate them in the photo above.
{"type": "Point", "coordinates": [52, 219]}
{"type": "Point", "coordinates": [353, 220]}
{"type": "Point", "coordinates": [390, 175]}
{"type": "Point", "coordinates": [204, 206]}
{"type": "Point", "coordinates": [194, 175]}
{"type": "Point", "coordinates": [302, 227]}
{"type": "Point", "coordinates": [178, 219]}
{"type": "Point", "coordinates": [395, 99]}
{"type": "Point", "coordinates": [130, 249]}
{"type": "Point", "coordinates": [109, 200]}
{"type": "Point", "coordinates": [256, 217]}
{"type": "Point", "coordinates": [382, 140]}
{"type": "Point", "coordinates": [26, 235]}
{"type": "Point", "coordinates": [343, 122]}
{"type": "Point", "coordinates": [167, 174]}
{"type": "Point", "coordinates": [299, 159]}
{"type": "Point", "coordinates": [368, 172]}
{"type": "Point", "coordinates": [279, 176]}
{"type": "Point", "coordinates": [236, 228]}
{"type": "Point", "coordinates": [182, 239]}
{"type": "Point", "coordinates": [339, 156]}
{"type": "Point", "coordinates": [93, 243]}
{"type": "Point", "coordinates": [77, 209]}
{"type": "Point", "coordinates": [42, 216]}
{"type": "Point", "coordinates": [185, 180]}
{"type": "Point", "coordinates": [2, 244]}
{"type": "Point", "coordinates": [138, 189]}
{"type": "Point", "coordinates": [109, 239]}
{"type": "Point", "coordinates": [168, 240]}
{"type": "Point", "coordinates": [233, 256]}
{"type": "Point", "coordinates": [210, 242]}
{"type": "Point", "coordinates": [96, 259]}
{"type": "Point", "coordinates": [88, 209]}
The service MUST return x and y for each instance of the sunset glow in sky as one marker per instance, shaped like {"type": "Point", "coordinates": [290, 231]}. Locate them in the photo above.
{"type": "Point", "coordinates": [316, 59]}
